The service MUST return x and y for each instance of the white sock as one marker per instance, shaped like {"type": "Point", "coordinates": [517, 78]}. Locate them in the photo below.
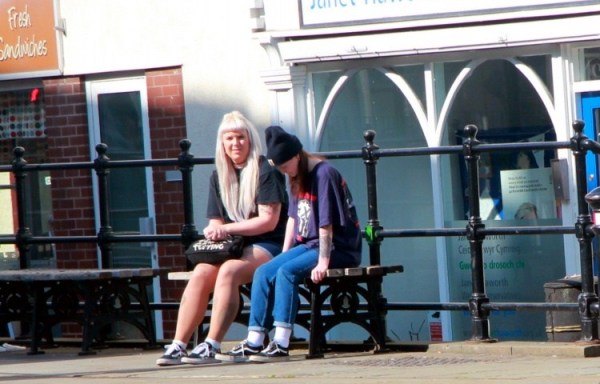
{"type": "Point", "coordinates": [180, 343]}
{"type": "Point", "coordinates": [282, 336]}
{"type": "Point", "coordinates": [255, 338]}
{"type": "Point", "coordinates": [214, 343]}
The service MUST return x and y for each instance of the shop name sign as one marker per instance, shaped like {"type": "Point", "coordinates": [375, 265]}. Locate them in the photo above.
{"type": "Point", "coordinates": [316, 12]}
{"type": "Point", "coordinates": [28, 39]}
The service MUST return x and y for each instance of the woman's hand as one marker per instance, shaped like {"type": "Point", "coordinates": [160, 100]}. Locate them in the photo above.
{"type": "Point", "coordinates": [319, 272]}
{"type": "Point", "coordinates": [215, 232]}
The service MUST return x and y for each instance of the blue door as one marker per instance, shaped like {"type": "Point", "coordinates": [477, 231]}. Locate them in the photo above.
{"type": "Point", "coordinates": [590, 113]}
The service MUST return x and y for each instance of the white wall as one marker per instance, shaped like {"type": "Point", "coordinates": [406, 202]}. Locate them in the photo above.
{"type": "Point", "coordinates": [212, 42]}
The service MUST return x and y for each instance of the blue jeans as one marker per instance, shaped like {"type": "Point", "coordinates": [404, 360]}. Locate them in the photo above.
{"type": "Point", "coordinates": [275, 288]}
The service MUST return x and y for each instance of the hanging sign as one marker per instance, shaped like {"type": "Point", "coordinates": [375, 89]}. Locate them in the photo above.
{"type": "Point", "coordinates": [29, 39]}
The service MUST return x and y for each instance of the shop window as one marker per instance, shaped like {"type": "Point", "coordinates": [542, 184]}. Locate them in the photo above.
{"type": "Point", "coordinates": [369, 99]}
{"type": "Point", "coordinates": [372, 99]}
{"type": "Point", "coordinates": [22, 123]}
{"type": "Point", "coordinates": [515, 190]}
{"type": "Point", "coordinates": [22, 114]}
{"type": "Point", "coordinates": [498, 97]}
{"type": "Point", "coordinates": [504, 106]}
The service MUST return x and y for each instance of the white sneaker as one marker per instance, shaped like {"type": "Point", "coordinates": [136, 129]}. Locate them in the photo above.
{"type": "Point", "coordinates": [204, 353]}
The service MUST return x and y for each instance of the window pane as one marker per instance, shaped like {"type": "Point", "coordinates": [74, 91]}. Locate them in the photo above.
{"type": "Point", "coordinates": [503, 104]}
{"type": "Point", "coordinates": [22, 114]}
{"type": "Point", "coordinates": [591, 58]}
{"type": "Point", "coordinates": [121, 129]}
{"type": "Point", "coordinates": [414, 76]}
{"type": "Point", "coordinates": [322, 84]}
{"type": "Point", "coordinates": [22, 123]}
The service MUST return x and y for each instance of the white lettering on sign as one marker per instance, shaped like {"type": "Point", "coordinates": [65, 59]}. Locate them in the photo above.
{"type": "Point", "coordinates": [18, 19]}
{"type": "Point", "coordinates": [22, 47]}
{"type": "Point", "coordinates": [341, 11]}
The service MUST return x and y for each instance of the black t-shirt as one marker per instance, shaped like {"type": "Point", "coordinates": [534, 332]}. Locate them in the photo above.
{"type": "Point", "coordinates": [271, 189]}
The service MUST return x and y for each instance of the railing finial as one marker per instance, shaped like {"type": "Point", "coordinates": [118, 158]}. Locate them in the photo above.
{"type": "Point", "coordinates": [471, 131]}
{"type": "Point", "coordinates": [101, 149]}
{"type": "Point", "coordinates": [185, 145]}
{"type": "Point", "coordinates": [578, 126]}
{"type": "Point", "coordinates": [369, 136]}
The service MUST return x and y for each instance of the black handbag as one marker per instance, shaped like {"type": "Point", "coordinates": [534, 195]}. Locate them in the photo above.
{"type": "Point", "coordinates": [215, 252]}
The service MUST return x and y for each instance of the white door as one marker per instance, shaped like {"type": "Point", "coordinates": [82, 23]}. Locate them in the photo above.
{"type": "Point", "coordinates": [118, 117]}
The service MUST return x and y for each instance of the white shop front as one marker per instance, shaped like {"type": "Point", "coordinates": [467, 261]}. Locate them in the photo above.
{"type": "Point", "coordinates": [417, 72]}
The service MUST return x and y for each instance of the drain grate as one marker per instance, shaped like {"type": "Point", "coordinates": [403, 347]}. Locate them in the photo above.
{"type": "Point", "coordinates": [408, 361]}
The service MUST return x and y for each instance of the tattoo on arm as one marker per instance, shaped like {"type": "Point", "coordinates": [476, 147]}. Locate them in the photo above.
{"type": "Point", "coordinates": [269, 209]}
{"type": "Point", "coordinates": [325, 245]}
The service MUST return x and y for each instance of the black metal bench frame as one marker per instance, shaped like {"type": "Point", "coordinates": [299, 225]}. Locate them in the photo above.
{"type": "Point", "coordinates": [352, 295]}
{"type": "Point", "coordinates": [93, 298]}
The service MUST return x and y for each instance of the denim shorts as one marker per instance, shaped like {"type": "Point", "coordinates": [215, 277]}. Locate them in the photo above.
{"type": "Point", "coordinates": [273, 249]}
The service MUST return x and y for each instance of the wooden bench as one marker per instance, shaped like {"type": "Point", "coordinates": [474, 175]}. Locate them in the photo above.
{"type": "Point", "coordinates": [345, 295]}
{"type": "Point", "coordinates": [92, 298]}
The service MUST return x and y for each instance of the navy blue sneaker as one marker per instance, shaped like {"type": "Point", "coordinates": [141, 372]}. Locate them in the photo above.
{"type": "Point", "coordinates": [274, 352]}
{"type": "Point", "coordinates": [204, 353]}
{"type": "Point", "coordinates": [172, 356]}
{"type": "Point", "coordinates": [240, 353]}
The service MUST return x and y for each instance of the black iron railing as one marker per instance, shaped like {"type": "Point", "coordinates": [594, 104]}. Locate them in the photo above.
{"type": "Point", "coordinates": [479, 305]}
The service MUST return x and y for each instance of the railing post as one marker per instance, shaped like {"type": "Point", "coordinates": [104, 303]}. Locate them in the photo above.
{"type": "Point", "coordinates": [584, 234]}
{"type": "Point", "coordinates": [479, 316]}
{"type": "Point", "coordinates": [23, 233]}
{"type": "Point", "coordinates": [370, 154]}
{"type": "Point", "coordinates": [105, 232]}
{"type": "Point", "coordinates": [186, 166]}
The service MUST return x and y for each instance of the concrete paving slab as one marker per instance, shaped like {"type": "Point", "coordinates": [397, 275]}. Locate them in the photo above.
{"type": "Point", "coordinates": [446, 363]}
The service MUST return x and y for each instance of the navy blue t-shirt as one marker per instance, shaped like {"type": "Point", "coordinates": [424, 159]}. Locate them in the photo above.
{"type": "Point", "coordinates": [271, 189]}
{"type": "Point", "coordinates": [328, 202]}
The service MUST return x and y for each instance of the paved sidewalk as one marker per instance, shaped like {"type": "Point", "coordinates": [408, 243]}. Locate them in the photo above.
{"type": "Point", "coordinates": [447, 363]}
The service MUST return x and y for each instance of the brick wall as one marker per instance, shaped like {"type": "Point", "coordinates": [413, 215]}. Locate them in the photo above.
{"type": "Point", "coordinates": [167, 126]}
{"type": "Point", "coordinates": [72, 198]}
{"type": "Point", "coordinates": [68, 141]}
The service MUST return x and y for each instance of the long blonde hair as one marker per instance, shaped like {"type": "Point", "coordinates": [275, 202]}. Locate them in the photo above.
{"type": "Point", "coordinates": [238, 196]}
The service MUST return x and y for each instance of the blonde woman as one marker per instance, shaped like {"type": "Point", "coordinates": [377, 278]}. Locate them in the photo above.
{"type": "Point", "coordinates": [247, 197]}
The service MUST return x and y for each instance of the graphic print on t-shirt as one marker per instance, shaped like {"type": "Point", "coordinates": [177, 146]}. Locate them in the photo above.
{"type": "Point", "coordinates": [304, 213]}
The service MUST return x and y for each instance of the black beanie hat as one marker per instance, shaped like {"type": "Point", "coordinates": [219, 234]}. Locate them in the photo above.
{"type": "Point", "coordinates": [281, 146]}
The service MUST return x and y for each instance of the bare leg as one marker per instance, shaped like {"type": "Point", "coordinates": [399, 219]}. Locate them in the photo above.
{"type": "Point", "coordinates": [194, 300]}
{"type": "Point", "coordinates": [226, 300]}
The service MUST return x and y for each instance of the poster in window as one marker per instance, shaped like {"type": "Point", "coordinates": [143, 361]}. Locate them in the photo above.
{"type": "Point", "coordinates": [528, 194]}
